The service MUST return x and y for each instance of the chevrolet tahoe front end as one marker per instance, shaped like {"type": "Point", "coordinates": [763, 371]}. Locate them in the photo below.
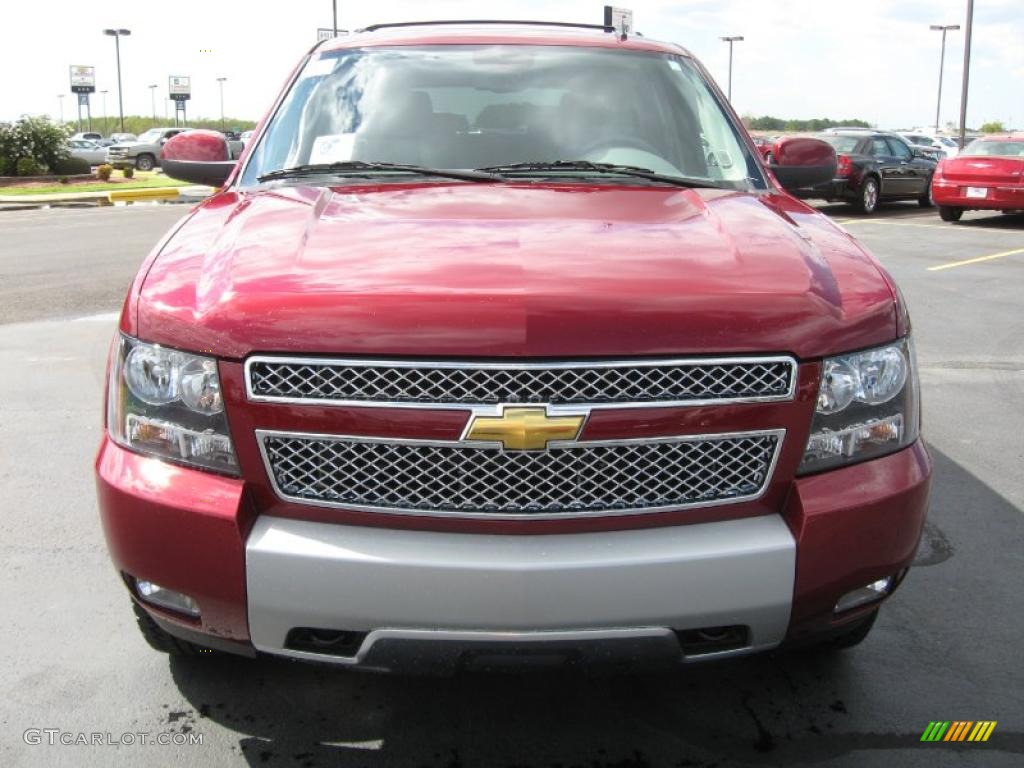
{"type": "Point", "coordinates": [391, 409]}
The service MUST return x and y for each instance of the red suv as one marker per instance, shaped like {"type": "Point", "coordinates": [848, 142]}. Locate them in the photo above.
{"type": "Point", "coordinates": [500, 340]}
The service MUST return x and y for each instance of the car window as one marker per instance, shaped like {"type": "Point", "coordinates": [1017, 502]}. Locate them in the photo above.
{"type": "Point", "coordinates": [841, 143]}
{"type": "Point", "coordinates": [900, 150]}
{"type": "Point", "coordinates": [471, 106]}
{"type": "Point", "coordinates": [995, 149]}
{"type": "Point", "coordinates": [878, 147]}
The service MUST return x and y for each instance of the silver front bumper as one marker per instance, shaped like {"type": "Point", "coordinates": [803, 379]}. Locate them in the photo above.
{"type": "Point", "coordinates": [447, 591]}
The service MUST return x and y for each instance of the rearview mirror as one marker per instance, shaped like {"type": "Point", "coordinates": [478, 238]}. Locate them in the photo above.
{"type": "Point", "coordinates": [199, 157]}
{"type": "Point", "coordinates": [800, 162]}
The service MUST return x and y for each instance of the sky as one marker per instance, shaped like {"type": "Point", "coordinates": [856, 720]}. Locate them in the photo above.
{"type": "Point", "coordinates": [870, 59]}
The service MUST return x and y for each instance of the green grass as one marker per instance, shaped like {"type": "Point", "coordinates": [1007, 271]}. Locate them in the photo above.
{"type": "Point", "coordinates": [141, 181]}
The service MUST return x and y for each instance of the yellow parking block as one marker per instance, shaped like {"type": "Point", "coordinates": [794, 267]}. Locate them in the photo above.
{"type": "Point", "coordinates": [152, 193]}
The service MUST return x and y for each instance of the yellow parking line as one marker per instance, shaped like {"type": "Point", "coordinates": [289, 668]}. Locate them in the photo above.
{"type": "Point", "coordinates": [976, 260]}
{"type": "Point", "coordinates": [146, 193]}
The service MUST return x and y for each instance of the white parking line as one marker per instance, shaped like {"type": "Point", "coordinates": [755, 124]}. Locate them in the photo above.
{"type": "Point", "coordinates": [103, 317]}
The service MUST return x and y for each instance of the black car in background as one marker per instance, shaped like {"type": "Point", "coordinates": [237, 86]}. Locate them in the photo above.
{"type": "Point", "coordinates": [873, 167]}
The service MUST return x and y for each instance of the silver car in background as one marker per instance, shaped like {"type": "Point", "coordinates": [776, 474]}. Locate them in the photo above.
{"type": "Point", "coordinates": [90, 151]}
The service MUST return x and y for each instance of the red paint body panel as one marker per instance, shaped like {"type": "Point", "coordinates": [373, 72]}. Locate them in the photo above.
{"type": "Point", "coordinates": [181, 528]}
{"type": "Point", "coordinates": [854, 526]}
{"type": "Point", "coordinates": [198, 144]}
{"type": "Point", "coordinates": [538, 270]}
{"type": "Point", "coordinates": [480, 270]}
{"type": "Point", "coordinates": [496, 34]}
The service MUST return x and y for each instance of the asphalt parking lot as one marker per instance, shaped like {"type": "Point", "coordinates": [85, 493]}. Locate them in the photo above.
{"type": "Point", "coordinates": [945, 648]}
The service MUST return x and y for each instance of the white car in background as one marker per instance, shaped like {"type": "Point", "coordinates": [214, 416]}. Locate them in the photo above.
{"type": "Point", "coordinates": [947, 146]}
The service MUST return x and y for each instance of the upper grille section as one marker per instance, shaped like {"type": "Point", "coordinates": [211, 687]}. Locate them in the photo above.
{"type": "Point", "coordinates": [612, 384]}
{"type": "Point", "coordinates": [581, 479]}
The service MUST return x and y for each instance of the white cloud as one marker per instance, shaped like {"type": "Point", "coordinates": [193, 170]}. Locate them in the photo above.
{"type": "Point", "coordinates": [874, 59]}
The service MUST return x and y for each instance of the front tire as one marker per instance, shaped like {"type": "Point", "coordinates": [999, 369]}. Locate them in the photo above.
{"type": "Point", "coordinates": [145, 162]}
{"type": "Point", "coordinates": [843, 639]}
{"type": "Point", "coordinates": [946, 213]}
{"type": "Point", "coordinates": [867, 201]}
{"type": "Point", "coordinates": [160, 640]}
{"type": "Point", "coordinates": [857, 634]}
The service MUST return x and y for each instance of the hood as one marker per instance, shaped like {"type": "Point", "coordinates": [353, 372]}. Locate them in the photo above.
{"type": "Point", "coordinates": [522, 270]}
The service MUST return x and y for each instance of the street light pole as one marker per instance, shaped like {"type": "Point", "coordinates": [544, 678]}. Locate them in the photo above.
{"type": "Point", "coordinates": [60, 100]}
{"type": "Point", "coordinates": [220, 82]}
{"type": "Point", "coordinates": [117, 34]}
{"type": "Point", "coordinates": [967, 72]}
{"type": "Point", "coordinates": [104, 95]}
{"type": "Point", "coordinates": [730, 41]}
{"type": "Point", "coordinates": [943, 28]}
{"type": "Point", "coordinates": [152, 101]}
{"type": "Point", "coordinates": [334, 8]}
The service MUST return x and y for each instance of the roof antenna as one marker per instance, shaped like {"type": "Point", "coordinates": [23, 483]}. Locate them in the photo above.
{"type": "Point", "coordinates": [619, 20]}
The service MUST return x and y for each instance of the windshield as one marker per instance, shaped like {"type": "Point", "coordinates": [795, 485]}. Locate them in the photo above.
{"type": "Point", "coordinates": [842, 143]}
{"type": "Point", "coordinates": [150, 136]}
{"type": "Point", "coordinates": [995, 148]}
{"type": "Point", "coordinates": [464, 107]}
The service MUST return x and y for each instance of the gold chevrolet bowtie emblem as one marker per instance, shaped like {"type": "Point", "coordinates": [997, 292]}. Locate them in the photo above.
{"type": "Point", "coordinates": [524, 429]}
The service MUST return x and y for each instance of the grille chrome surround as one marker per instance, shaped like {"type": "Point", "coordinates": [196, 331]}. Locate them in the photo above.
{"type": "Point", "coordinates": [477, 480]}
{"type": "Point", "coordinates": [607, 384]}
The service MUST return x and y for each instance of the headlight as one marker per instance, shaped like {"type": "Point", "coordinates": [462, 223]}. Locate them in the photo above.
{"type": "Point", "coordinates": [868, 406]}
{"type": "Point", "coordinates": [167, 403]}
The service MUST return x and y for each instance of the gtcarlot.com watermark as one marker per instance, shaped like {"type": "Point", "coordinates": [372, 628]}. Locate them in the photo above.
{"type": "Point", "coordinates": [55, 736]}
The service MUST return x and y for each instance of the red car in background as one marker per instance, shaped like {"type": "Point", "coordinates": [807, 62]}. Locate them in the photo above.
{"type": "Point", "coordinates": [987, 175]}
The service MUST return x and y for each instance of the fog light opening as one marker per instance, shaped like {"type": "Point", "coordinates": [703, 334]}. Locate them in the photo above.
{"type": "Point", "coordinates": [168, 599]}
{"type": "Point", "coordinates": [869, 593]}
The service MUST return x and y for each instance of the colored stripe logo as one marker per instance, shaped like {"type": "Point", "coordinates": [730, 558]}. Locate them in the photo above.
{"type": "Point", "coordinates": [958, 730]}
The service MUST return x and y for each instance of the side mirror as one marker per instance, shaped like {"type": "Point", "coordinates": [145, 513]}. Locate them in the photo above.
{"type": "Point", "coordinates": [801, 162]}
{"type": "Point", "coordinates": [200, 157]}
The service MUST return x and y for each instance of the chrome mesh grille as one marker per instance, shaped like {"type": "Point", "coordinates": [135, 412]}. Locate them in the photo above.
{"type": "Point", "coordinates": [482, 384]}
{"type": "Point", "coordinates": [585, 478]}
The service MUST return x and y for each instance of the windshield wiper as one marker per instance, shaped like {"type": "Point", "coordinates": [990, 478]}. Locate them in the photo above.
{"type": "Point", "coordinates": [592, 167]}
{"type": "Point", "coordinates": [359, 167]}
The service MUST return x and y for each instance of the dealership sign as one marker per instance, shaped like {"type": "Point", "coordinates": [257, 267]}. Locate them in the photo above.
{"type": "Point", "coordinates": [83, 79]}
{"type": "Point", "coordinates": [324, 33]}
{"type": "Point", "coordinates": [179, 88]}
{"type": "Point", "coordinates": [619, 19]}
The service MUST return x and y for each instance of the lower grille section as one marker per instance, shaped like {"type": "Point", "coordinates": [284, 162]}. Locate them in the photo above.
{"type": "Point", "coordinates": [582, 479]}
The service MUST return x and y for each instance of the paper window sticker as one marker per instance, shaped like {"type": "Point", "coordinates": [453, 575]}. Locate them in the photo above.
{"type": "Point", "coordinates": [334, 148]}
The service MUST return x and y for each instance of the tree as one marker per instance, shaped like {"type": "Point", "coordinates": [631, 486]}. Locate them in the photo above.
{"type": "Point", "coordinates": [37, 140]}
{"type": "Point", "coordinates": [769, 123]}
{"type": "Point", "coordinates": [996, 126]}
{"type": "Point", "coordinates": [140, 123]}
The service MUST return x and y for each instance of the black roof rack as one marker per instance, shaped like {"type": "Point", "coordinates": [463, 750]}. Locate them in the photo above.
{"type": "Point", "coordinates": [375, 27]}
